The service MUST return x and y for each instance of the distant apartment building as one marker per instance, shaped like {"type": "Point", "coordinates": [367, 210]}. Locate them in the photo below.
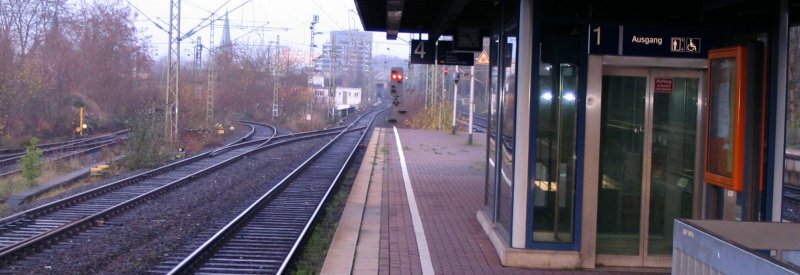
{"type": "Point", "coordinates": [342, 96]}
{"type": "Point", "coordinates": [350, 54]}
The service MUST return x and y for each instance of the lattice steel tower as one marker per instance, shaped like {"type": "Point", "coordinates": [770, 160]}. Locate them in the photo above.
{"type": "Point", "coordinates": [212, 76]}
{"type": "Point", "coordinates": [173, 71]}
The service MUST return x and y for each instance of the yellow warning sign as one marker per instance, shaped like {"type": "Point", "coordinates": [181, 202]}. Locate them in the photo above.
{"type": "Point", "coordinates": [483, 59]}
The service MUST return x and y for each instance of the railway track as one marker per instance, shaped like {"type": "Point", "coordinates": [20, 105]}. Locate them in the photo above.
{"type": "Point", "coordinates": [264, 237]}
{"type": "Point", "coordinates": [42, 226]}
{"type": "Point", "coordinates": [62, 150]}
{"type": "Point", "coordinates": [30, 234]}
{"type": "Point", "coordinates": [46, 146]}
{"type": "Point", "coordinates": [792, 192]}
{"type": "Point", "coordinates": [479, 123]}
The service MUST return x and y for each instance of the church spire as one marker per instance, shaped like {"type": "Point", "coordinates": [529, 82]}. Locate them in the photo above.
{"type": "Point", "coordinates": [226, 33]}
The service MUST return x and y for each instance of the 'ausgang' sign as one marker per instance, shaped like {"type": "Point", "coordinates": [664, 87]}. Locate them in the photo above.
{"type": "Point", "coordinates": [649, 41]}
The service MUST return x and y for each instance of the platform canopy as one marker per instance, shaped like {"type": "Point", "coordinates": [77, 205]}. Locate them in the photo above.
{"type": "Point", "coordinates": [443, 17]}
{"type": "Point", "coordinates": [433, 17]}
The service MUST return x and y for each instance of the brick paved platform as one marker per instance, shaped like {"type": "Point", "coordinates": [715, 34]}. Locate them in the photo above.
{"type": "Point", "coordinates": [377, 234]}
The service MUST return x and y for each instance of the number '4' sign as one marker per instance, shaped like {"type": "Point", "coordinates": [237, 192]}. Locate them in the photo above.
{"type": "Point", "coordinates": [420, 49]}
{"type": "Point", "coordinates": [423, 52]}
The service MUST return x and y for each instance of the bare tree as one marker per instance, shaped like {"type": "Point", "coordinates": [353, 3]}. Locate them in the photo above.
{"type": "Point", "coordinates": [27, 20]}
{"type": "Point", "coordinates": [55, 57]}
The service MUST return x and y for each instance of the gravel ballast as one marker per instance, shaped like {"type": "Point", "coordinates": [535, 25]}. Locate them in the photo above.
{"type": "Point", "coordinates": [140, 239]}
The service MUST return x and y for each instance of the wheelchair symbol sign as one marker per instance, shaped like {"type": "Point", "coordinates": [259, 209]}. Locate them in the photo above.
{"type": "Point", "coordinates": [693, 45]}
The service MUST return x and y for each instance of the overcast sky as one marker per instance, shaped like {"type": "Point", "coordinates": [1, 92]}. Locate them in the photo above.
{"type": "Point", "coordinates": [258, 22]}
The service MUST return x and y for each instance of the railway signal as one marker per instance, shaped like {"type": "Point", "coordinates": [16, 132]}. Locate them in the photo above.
{"type": "Point", "coordinates": [81, 129]}
{"type": "Point", "coordinates": [396, 89]}
{"type": "Point", "coordinates": [397, 76]}
{"type": "Point", "coordinates": [396, 85]}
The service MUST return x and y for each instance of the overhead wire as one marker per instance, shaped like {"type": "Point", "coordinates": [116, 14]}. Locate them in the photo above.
{"type": "Point", "coordinates": [145, 16]}
{"type": "Point", "coordinates": [196, 6]}
{"type": "Point", "coordinates": [255, 29]}
{"type": "Point", "coordinates": [203, 22]}
{"type": "Point", "coordinates": [326, 14]}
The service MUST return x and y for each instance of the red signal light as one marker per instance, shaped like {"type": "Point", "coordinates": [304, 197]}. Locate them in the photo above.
{"type": "Point", "coordinates": [397, 76]}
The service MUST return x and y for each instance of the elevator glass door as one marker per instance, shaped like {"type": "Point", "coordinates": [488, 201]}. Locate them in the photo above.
{"type": "Point", "coordinates": [647, 163]}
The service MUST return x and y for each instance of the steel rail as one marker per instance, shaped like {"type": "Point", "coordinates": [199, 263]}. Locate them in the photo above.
{"type": "Point", "coordinates": [49, 207]}
{"type": "Point", "coordinates": [195, 259]}
{"type": "Point", "coordinates": [68, 155]}
{"type": "Point", "coordinates": [19, 249]}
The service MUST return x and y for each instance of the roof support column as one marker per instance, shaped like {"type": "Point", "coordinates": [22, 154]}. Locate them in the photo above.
{"type": "Point", "coordinates": [777, 114]}
{"type": "Point", "coordinates": [522, 127]}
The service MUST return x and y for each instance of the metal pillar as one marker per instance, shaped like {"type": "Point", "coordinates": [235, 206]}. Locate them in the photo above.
{"type": "Point", "coordinates": [428, 85]}
{"type": "Point", "coordinates": [455, 98]}
{"type": "Point", "coordinates": [275, 76]}
{"type": "Point", "coordinates": [442, 97]}
{"type": "Point", "coordinates": [198, 56]}
{"type": "Point", "coordinates": [471, 100]}
{"type": "Point", "coordinates": [310, 107]}
{"type": "Point", "coordinates": [332, 91]}
{"type": "Point", "coordinates": [173, 72]}
{"type": "Point", "coordinates": [411, 79]}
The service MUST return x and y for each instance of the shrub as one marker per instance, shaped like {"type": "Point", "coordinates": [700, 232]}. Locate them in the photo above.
{"type": "Point", "coordinates": [145, 144]}
{"type": "Point", "coordinates": [31, 163]}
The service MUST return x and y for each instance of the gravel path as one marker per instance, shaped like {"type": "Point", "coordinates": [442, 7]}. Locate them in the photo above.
{"type": "Point", "coordinates": [140, 239]}
{"type": "Point", "coordinates": [791, 207]}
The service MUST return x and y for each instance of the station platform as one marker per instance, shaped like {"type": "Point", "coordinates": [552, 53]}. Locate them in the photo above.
{"type": "Point", "coordinates": [412, 210]}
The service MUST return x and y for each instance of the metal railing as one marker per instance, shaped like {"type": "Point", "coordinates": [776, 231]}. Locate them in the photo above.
{"type": "Point", "coordinates": [791, 172]}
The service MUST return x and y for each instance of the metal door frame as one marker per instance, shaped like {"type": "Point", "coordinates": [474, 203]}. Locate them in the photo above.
{"type": "Point", "coordinates": [651, 73]}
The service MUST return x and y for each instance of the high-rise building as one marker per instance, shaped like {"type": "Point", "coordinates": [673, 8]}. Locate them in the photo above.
{"type": "Point", "coordinates": [350, 52]}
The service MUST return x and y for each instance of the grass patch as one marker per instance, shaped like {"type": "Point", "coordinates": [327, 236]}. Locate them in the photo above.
{"type": "Point", "coordinates": [53, 169]}
{"type": "Point", "coordinates": [11, 185]}
{"type": "Point", "coordinates": [115, 170]}
{"type": "Point", "coordinates": [16, 183]}
{"type": "Point", "coordinates": [385, 151]}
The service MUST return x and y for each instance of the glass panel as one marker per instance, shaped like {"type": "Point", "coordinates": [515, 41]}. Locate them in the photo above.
{"type": "Point", "coordinates": [554, 182]}
{"type": "Point", "coordinates": [491, 134]}
{"type": "Point", "coordinates": [721, 117]}
{"type": "Point", "coordinates": [507, 148]}
{"type": "Point", "coordinates": [619, 202]}
{"type": "Point", "coordinates": [673, 162]}
{"type": "Point", "coordinates": [791, 173]}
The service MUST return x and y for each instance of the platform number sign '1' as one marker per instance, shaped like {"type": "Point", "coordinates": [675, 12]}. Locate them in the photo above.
{"type": "Point", "coordinates": [423, 52]}
{"type": "Point", "coordinates": [604, 39]}
{"type": "Point", "coordinates": [649, 41]}
{"type": "Point", "coordinates": [596, 35]}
